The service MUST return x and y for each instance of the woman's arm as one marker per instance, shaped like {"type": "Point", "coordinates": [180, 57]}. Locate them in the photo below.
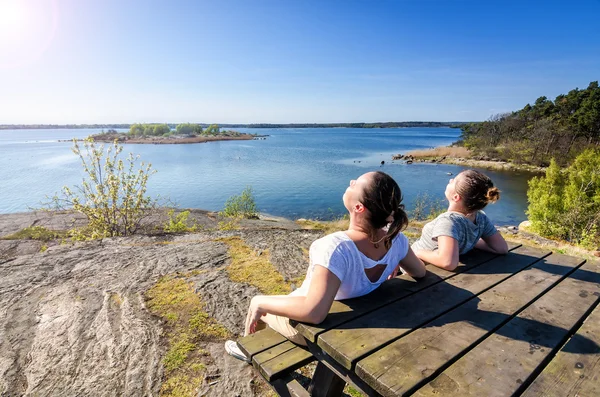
{"type": "Point", "coordinates": [446, 256]}
{"type": "Point", "coordinates": [412, 265]}
{"type": "Point", "coordinates": [494, 243]}
{"type": "Point", "coordinates": [312, 308]}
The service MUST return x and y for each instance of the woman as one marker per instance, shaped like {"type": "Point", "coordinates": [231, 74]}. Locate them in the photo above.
{"type": "Point", "coordinates": [344, 264]}
{"type": "Point", "coordinates": [464, 226]}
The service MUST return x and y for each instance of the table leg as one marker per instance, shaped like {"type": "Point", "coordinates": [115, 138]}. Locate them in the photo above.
{"type": "Point", "coordinates": [325, 383]}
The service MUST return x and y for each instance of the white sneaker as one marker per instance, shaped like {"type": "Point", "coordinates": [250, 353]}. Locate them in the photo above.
{"type": "Point", "coordinates": [232, 348]}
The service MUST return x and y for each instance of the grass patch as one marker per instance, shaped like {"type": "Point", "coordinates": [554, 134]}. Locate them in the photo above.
{"type": "Point", "coordinates": [326, 226]}
{"type": "Point", "coordinates": [250, 267]}
{"type": "Point", "coordinates": [36, 233]}
{"type": "Point", "coordinates": [174, 300]}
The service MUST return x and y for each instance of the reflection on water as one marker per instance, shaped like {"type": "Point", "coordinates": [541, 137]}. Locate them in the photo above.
{"type": "Point", "coordinates": [294, 173]}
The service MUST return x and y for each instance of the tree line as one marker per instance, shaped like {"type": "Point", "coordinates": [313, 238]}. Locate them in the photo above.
{"type": "Point", "coordinates": [559, 129]}
{"type": "Point", "coordinates": [141, 130]}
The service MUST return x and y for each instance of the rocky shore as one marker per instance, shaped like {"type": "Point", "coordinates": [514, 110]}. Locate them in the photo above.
{"type": "Point", "coordinates": [447, 155]}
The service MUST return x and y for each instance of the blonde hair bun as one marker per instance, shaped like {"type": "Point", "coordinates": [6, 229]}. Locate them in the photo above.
{"type": "Point", "coordinates": [493, 195]}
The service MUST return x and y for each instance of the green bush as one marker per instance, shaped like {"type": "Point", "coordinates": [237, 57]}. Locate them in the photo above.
{"type": "Point", "coordinates": [565, 203]}
{"type": "Point", "coordinates": [112, 195]}
{"type": "Point", "coordinates": [242, 206]}
{"type": "Point", "coordinates": [179, 223]}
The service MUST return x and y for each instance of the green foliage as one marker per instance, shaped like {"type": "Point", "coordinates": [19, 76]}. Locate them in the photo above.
{"type": "Point", "coordinates": [559, 129]}
{"type": "Point", "coordinates": [189, 129]}
{"type": "Point", "coordinates": [242, 206]}
{"type": "Point", "coordinates": [179, 223]}
{"type": "Point", "coordinates": [35, 233]}
{"type": "Point", "coordinates": [112, 195]}
{"type": "Point", "coordinates": [426, 207]}
{"type": "Point", "coordinates": [138, 130]}
{"type": "Point", "coordinates": [565, 204]}
{"type": "Point", "coordinates": [212, 129]}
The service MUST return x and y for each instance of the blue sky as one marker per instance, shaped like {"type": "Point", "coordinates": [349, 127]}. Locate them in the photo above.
{"type": "Point", "coordinates": [123, 61]}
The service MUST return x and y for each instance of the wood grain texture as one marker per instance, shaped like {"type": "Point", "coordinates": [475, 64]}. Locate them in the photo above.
{"type": "Point", "coordinates": [511, 357]}
{"type": "Point", "coordinates": [281, 360]}
{"type": "Point", "coordinates": [260, 341]}
{"type": "Point", "coordinates": [403, 365]}
{"type": "Point", "coordinates": [575, 371]}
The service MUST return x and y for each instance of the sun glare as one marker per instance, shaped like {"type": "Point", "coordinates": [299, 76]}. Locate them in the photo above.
{"type": "Point", "coordinates": [26, 29]}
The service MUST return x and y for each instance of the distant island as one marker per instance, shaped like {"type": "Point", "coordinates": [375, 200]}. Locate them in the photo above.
{"type": "Point", "coordinates": [391, 124]}
{"type": "Point", "coordinates": [163, 134]}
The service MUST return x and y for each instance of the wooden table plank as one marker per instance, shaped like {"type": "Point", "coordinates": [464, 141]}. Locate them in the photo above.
{"type": "Point", "coordinates": [507, 361]}
{"type": "Point", "coordinates": [281, 359]}
{"type": "Point", "coordinates": [575, 371]}
{"type": "Point", "coordinates": [354, 340]}
{"type": "Point", "coordinates": [260, 341]}
{"type": "Point", "coordinates": [408, 362]}
{"type": "Point", "coordinates": [389, 291]}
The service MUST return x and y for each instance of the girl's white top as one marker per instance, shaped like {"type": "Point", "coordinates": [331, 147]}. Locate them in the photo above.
{"type": "Point", "coordinates": [337, 253]}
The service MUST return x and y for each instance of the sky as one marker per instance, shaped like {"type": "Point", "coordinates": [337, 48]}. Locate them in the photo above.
{"type": "Point", "coordinates": [284, 61]}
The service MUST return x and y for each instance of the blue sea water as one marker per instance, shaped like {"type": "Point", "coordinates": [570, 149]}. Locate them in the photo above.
{"type": "Point", "coordinates": [294, 173]}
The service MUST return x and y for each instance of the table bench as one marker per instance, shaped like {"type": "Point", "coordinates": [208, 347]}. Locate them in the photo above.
{"type": "Point", "coordinates": [523, 323]}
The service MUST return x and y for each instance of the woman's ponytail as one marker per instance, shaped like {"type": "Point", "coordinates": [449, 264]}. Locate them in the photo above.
{"type": "Point", "coordinates": [399, 222]}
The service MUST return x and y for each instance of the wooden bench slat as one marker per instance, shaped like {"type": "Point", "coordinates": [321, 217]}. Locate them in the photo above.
{"type": "Point", "coordinates": [390, 291]}
{"type": "Point", "coordinates": [401, 366]}
{"type": "Point", "coordinates": [508, 359]}
{"type": "Point", "coordinates": [260, 341]}
{"type": "Point", "coordinates": [281, 359]}
{"type": "Point", "coordinates": [355, 339]}
{"type": "Point", "coordinates": [575, 371]}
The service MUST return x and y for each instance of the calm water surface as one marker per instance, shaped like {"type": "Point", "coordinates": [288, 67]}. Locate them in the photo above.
{"type": "Point", "coordinates": [294, 172]}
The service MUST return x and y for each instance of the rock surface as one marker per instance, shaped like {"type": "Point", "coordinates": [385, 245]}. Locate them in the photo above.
{"type": "Point", "coordinates": [73, 319]}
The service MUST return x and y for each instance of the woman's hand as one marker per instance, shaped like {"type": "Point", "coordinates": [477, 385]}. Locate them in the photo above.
{"type": "Point", "coordinates": [254, 314]}
{"type": "Point", "coordinates": [394, 273]}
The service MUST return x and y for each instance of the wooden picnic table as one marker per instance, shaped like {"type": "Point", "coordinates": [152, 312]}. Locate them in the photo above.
{"type": "Point", "coordinates": [522, 323]}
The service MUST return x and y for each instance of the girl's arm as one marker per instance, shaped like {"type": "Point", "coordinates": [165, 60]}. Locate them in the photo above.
{"type": "Point", "coordinates": [312, 308]}
{"type": "Point", "coordinates": [446, 256]}
{"type": "Point", "coordinates": [494, 243]}
{"type": "Point", "coordinates": [412, 265]}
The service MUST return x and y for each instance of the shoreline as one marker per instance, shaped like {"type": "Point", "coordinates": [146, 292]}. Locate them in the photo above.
{"type": "Point", "coordinates": [463, 157]}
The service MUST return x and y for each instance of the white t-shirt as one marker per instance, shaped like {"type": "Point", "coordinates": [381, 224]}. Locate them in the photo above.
{"type": "Point", "coordinates": [337, 253]}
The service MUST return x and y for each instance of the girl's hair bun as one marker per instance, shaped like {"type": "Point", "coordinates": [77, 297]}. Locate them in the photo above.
{"type": "Point", "coordinates": [493, 195]}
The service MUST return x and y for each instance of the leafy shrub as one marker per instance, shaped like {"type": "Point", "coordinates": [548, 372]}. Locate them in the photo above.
{"type": "Point", "coordinates": [112, 195]}
{"type": "Point", "coordinates": [565, 204]}
{"type": "Point", "coordinates": [242, 206]}
{"type": "Point", "coordinates": [179, 223]}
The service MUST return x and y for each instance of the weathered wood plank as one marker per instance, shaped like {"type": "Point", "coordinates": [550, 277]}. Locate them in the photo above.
{"type": "Point", "coordinates": [510, 358]}
{"type": "Point", "coordinates": [260, 341]}
{"type": "Point", "coordinates": [287, 386]}
{"type": "Point", "coordinates": [390, 291]}
{"type": "Point", "coordinates": [403, 365]}
{"type": "Point", "coordinates": [354, 340]}
{"type": "Point", "coordinates": [281, 359]}
{"type": "Point", "coordinates": [575, 371]}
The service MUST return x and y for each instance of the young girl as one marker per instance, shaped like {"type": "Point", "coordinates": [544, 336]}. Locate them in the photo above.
{"type": "Point", "coordinates": [464, 226]}
{"type": "Point", "coordinates": [344, 264]}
